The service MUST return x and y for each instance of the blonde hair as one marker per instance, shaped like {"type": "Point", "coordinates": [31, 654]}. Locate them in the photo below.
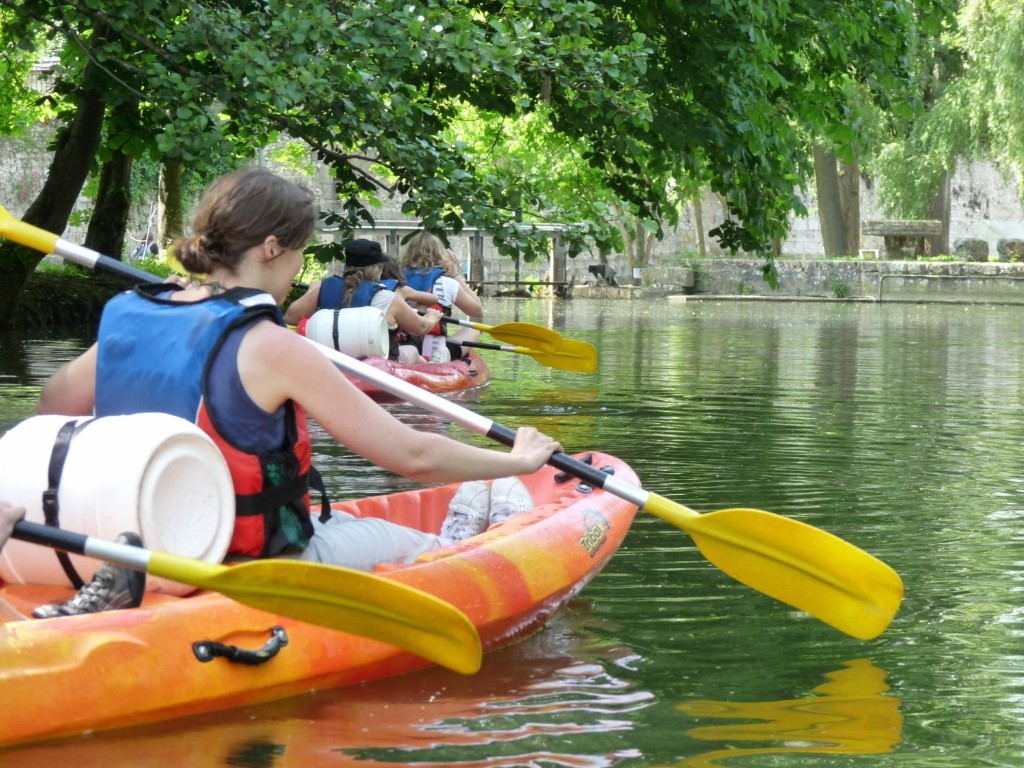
{"type": "Point", "coordinates": [425, 251]}
{"type": "Point", "coordinates": [240, 210]}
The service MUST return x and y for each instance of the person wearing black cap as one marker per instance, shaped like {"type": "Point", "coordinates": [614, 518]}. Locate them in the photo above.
{"type": "Point", "coordinates": [361, 286]}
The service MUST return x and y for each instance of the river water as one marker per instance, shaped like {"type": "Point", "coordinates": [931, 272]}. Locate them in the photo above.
{"type": "Point", "coordinates": [897, 427]}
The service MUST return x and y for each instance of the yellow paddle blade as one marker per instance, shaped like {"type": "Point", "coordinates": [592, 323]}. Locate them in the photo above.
{"type": "Point", "coordinates": [536, 337]}
{"type": "Point", "coordinates": [796, 563]}
{"type": "Point", "coordinates": [578, 356]}
{"type": "Point", "coordinates": [339, 598]}
{"type": "Point", "coordinates": [26, 234]}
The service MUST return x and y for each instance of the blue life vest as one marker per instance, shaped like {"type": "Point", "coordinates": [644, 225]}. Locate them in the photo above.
{"type": "Point", "coordinates": [154, 355]}
{"type": "Point", "coordinates": [422, 279]}
{"type": "Point", "coordinates": [332, 292]}
{"type": "Point", "coordinates": [363, 296]}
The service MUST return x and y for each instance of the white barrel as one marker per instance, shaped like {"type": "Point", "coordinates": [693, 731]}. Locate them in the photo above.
{"type": "Point", "coordinates": [359, 331]}
{"type": "Point", "coordinates": [155, 474]}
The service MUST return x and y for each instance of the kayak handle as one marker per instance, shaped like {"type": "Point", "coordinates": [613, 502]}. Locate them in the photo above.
{"type": "Point", "coordinates": [208, 650]}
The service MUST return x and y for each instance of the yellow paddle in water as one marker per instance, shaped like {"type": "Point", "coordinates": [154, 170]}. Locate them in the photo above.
{"type": "Point", "coordinates": [338, 598]}
{"type": "Point", "coordinates": [557, 352]}
{"type": "Point", "coordinates": [791, 561]}
{"type": "Point", "coordinates": [570, 356]}
{"type": "Point", "coordinates": [536, 337]}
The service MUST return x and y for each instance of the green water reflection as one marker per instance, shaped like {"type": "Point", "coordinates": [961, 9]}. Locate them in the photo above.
{"type": "Point", "coordinates": [897, 427]}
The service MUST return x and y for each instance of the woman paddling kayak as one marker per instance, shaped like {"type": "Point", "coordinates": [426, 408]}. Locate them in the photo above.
{"type": "Point", "coordinates": [218, 354]}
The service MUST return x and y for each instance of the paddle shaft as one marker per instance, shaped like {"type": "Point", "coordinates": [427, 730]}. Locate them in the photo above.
{"type": "Point", "coordinates": [135, 558]}
{"type": "Point", "coordinates": [485, 345]}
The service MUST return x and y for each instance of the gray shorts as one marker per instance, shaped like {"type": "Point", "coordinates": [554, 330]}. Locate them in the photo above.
{"type": "Point", "coordinates": [361, 543]}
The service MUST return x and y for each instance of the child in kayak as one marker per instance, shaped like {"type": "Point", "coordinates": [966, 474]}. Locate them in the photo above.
{"type": "Point", "coordinates": [431, 267]}
{"type": "Point", "coordinates": [219, 354]}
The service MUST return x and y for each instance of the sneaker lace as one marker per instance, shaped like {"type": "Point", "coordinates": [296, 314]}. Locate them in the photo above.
{"type": "Point", "coordinates": [97, 593]}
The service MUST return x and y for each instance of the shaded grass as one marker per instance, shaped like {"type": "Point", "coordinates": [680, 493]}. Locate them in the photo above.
{"type": "Point", "coordinates": [65, 300]}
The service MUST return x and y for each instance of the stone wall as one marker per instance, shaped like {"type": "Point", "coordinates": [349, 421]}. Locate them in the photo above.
{"type": "Point", "coordinates": [23, 166]}
{"type": "Point", "coordinates": [875, 280]}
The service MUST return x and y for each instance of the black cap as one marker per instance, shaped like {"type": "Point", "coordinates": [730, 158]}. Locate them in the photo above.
{"type": "Point", "coordinates": [364, 253]}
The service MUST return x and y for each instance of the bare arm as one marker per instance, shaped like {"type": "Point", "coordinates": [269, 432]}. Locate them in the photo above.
{"type": "Point", "coordinates": [71, 391]}
{"type": "Point", "coordinates": [420, 298]}
{"type": "Point", "coordinates": [467, 300]}
{"type": "Point", "coordinates": [411, 321]}
{"type": "Point", "coordinates": [277, 366]}
{"type": "Point", "coordinates": [9, 515]}
{"type": "Point", "coordinates": [304, 306]}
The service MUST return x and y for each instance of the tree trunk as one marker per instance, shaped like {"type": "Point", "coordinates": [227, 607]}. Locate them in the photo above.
{"type": "Point", "coordinates": [938, 210]}
{"type": "Point", "coordinates": [830, 214]}
{"type": "Point", "coordinates": [172, 215]}
{"type": "Point", "coordinates": [698, 222]}
{"type": "Point", "coordinates": [645, 244]}
{"type": "Point", "coordinates": [75, 151]}
{"type": "Point", "coordinates": [849, 202]}
{"type": "Point", "coordinates": [113, 201]}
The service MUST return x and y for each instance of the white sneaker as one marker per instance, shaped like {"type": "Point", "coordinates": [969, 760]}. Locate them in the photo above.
{"type": "Point", "coordinates": [467, 512]}
{"type": "Point", "coordinates": [509, 497]}
{"type": "Point", "coordinates": [440, 353]}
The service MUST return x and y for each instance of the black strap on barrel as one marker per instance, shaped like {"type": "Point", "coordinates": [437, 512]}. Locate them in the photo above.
{"type": "Point", "coordinates": [334, 330]}
{"type": "Point", "coordinates": [51, 504]}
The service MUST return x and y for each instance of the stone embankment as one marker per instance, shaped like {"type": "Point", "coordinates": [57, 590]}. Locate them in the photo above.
{"type": "Point", "coordinates": [949, 281]}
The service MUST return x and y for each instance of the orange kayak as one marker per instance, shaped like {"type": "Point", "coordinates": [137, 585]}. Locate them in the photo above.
{"type": "Point", "coordinates": [108, 670]}
{"type": "Point", "coordinates": [439, 378]}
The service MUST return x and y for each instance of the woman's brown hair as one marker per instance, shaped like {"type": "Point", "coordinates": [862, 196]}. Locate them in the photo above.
{"type": "Point", "coordinates": [240, 210]}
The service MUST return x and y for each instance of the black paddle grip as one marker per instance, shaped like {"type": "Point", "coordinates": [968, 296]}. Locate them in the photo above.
{"type": "Point", "coordinates": [502, 434]}
{"type": "Point", "coordinates": [119, 268]}
{"type": "Point", "coordinates": [48, 536]}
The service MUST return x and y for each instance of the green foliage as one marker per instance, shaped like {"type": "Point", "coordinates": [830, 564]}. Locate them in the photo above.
{"type": "Point", "coordinates": [840, 290]}
{"type": "Point", "coordinates": [21, 105]}
{"type": "Point", "coordinates": [65, 296]}
{"type": "Point", "coordinates": [991, 37]}
{"type": "Point", "coordinates": [294, 156]}
{"type": "Point", "coordinates": [912, 170]}
{"type": "Point", "coordinates": [155, 266]}
{"type": "Point", "coordinates": [625, 107]}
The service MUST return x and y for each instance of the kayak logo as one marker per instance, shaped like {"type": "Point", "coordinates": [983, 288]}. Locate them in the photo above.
{"type": "Point", "coordinates": [596, 528]}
